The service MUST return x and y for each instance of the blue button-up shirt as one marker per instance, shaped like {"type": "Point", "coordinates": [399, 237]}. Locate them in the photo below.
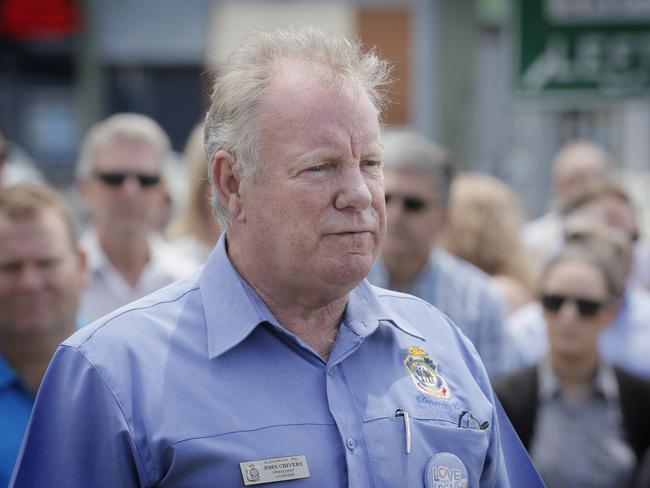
{"type": "Point", "coordinates": [180, 387]}
{"type": "Point", "coordinates": [625, 343]}
{"type": "Point", "coordinates": [16, 403]}
{"type": "Point", "coordinates": [465, 294]}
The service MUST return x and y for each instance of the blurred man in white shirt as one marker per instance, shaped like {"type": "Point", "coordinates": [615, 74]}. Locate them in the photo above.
{"type": "Point", "coordinates": [120, 178]}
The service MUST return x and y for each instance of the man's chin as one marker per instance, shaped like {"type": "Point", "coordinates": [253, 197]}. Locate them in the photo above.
{"type": "Point", "coordinates": [350, 270]}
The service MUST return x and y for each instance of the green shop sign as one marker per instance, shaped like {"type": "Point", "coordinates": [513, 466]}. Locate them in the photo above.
{"type": "Point", "coordinates": [582, 47]}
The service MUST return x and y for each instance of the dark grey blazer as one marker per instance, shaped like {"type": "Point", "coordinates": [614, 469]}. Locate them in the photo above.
{"type": "Point", "coordinates": [518, 395]}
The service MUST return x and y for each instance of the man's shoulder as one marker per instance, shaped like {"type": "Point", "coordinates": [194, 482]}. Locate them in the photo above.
{"type": "Point", "coordinates": [465, 283]}
{"type": "Point", "coordinates": [144, 321]}
{"type": "Point", "coordinates": [458, 270]}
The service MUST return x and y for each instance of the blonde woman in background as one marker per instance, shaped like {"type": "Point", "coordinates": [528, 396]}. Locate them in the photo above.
{"type": "Point", "coordinates": [484, 228]}
{"type": "Point", "coordinates": [195, 231]}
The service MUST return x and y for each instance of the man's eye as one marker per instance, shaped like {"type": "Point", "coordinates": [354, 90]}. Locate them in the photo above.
{"type": "Point", "coordinates": [10, 268]}
{"type": "Point", "coordinates": [317, 168]}
{"type": "Point", "coordinates": [370, 162]}
{"type": "Point", "coordinates": [47, 263]}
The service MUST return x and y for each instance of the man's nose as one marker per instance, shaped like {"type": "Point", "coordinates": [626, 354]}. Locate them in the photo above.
{"type": "Point", "coordinates": [29, 279]}
{"type": "Point", "coordinates": [354, 192]}
{"type": "Point", "coordinates": [131, 185]}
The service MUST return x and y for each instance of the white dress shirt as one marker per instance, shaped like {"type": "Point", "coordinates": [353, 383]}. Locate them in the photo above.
{"type": "Point", "coordinates": [107, 289]}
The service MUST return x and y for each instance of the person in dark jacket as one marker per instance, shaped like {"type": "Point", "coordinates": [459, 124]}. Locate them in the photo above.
{"type": "Point", "coordinates": [583, 421]}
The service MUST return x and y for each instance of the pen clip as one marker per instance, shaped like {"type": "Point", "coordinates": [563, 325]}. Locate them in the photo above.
{"type": "Point", "coordinates": [407, 427]}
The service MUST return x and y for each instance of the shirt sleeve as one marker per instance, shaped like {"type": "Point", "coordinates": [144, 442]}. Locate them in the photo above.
{"type": "Point", "coordinates": [507, 463]}
{"type": "Point", "coordinates": [78, 435]}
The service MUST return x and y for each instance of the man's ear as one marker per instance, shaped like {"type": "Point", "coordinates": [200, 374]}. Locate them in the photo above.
{"type": "Point", "coordinates": [228, 184]}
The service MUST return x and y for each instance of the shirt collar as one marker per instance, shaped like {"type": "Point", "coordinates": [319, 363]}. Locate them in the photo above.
{"type": "Point", "coordinates": [233, 309]}
{"type": "Point", "coordinates": [95, 257]}
{"type": "Point", "coordinates": [604, 383]}
{"type": "Point", "coordinates": [364, 308]}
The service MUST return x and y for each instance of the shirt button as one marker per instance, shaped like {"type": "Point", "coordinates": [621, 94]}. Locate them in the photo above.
{"type": "Point", "coordinates": [351, 444]}
{"type": "Point", "coordinates": [331, 371]}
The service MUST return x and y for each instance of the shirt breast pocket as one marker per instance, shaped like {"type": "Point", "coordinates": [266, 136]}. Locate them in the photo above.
{"type": "Point", "coordinates": [393, 466]}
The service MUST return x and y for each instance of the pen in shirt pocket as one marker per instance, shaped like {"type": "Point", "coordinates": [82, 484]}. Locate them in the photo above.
{"type": "Point", "coordinates": [407, 427]}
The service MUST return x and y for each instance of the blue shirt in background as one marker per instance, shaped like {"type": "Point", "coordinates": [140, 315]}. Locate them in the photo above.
{"type": "Point", "coordinates": [180, 387]}
{"type": "Point", "coordinates": [16, 403]}
{"type": "Point", "coordinates": [464, 293]}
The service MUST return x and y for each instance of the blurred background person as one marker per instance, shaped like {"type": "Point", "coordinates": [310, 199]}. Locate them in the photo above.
{"type": "Point", "coordinates": [15, 165]}
{"type": "Point", "coordinates": [485, 221]}
{"type": "Point", "coordinates": [120, 177]}
{"type": "Point", "coordinates": [195, 231]}
{"type": "Point", "coordinates": [41, 277]}
{"type": "Point", "coordinates": [577, 163]}
{"type": "Point", "coordinates": [608, 201]}
{"type": "Point", "coordinates": [627, 341]}
{"type": "Point", "coordinates": [584, 422]}
{"type": "Point", "coordinates": [417, 177]}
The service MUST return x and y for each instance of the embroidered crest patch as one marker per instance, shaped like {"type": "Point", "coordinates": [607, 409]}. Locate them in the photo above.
{"type": "Point", "coordinates": [425, 373]}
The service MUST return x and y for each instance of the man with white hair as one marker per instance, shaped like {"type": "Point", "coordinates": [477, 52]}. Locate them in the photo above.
{"type": "Point", "coordinates": [278, 363]}
{"type": "Point", "coordinates": [120, 178]}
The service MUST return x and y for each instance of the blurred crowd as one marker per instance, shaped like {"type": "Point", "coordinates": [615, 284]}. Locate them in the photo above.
{"type": "Point", "coordinates": [557, 308]}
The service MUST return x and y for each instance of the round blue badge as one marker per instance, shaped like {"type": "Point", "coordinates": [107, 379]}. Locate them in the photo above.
{"type": "Point", "coordinates": [445, 470]}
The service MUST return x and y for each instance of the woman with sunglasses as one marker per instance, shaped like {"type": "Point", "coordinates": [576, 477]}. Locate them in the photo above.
{"type": "Point", "coordinates": [583, 421]}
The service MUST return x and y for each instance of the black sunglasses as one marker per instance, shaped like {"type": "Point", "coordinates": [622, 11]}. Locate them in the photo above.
{"type": "Point", "coordinates": [118, 178]}
{"type": "Point", "coordinates": [586, 306]}
{"type": "Point", "coordinates": [409, 204]}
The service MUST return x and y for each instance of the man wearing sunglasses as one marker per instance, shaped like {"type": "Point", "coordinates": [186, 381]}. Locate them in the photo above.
{"type": "Point", "coordinates": [120, 177]}
{"type": "Point", "coordinates": [418, 174]}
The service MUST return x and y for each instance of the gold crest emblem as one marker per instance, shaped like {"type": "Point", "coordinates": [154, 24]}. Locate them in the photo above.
{"type": "Point", "coordinates": [425, 373]}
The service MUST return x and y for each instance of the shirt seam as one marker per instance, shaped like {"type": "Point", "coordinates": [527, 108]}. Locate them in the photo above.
{"type": "Point", "coordinates": [108, 321]}
{"type": "Point", "coordinates": [149, 472]}
{"type": "Point", "coordinates": [230, 432]}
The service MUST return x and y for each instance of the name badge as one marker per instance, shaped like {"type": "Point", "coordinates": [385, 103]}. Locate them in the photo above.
{"type": "Point", "coordinates": [272, 470]}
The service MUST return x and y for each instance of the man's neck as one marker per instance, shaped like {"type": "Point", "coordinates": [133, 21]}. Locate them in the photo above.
{"type": "Point", "coordinates": [317, 326]}
{"type": "Point", "coordinates": [30, 356]}
{"type": "Point", "coordinates": [128, 257]}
